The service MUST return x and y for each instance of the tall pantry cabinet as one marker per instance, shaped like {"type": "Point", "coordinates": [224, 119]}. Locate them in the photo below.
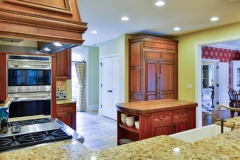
{"type": "Point", "coordinates": [153, 65]}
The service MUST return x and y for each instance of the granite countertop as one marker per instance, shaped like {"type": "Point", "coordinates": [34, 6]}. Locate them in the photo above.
{"type": "Point", "coordinates": [64, 150]}
{"type": "Point", "coordinates": [228, 122]}
{"type": "Point", "coordinates": [65, 101]}
{"type": "Point", "coordinates": [222, 147]}
{"type": "Point", "coordinates": [26, 118]}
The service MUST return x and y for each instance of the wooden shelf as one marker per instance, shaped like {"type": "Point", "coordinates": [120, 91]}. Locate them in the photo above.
{"type": "Point", "coordinates": [132, 129]}
{"type": "Point", "coordinates": [128, 141]}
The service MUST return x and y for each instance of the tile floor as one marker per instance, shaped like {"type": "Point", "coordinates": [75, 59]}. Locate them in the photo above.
{"type": "Point", "coordinates": [99, 132]}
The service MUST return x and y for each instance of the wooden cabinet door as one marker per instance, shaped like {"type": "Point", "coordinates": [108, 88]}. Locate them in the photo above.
{"type": "Point", "coordinates": [168, 80]}
{"type": "Point", "coordinates": [68, 118]}
{"type": "Point", "coordinates": [151, 80]}
{"type": "Point", "coordinates": [180, 120]}
{"type": "Point", "coordinates": [67, 114]}
{"type": "Point", "coordinates": [63, 62]}
{"type": "Point", "coordinates": [135, 72]}
{"type": "Point", "coordinates": [161, 129]}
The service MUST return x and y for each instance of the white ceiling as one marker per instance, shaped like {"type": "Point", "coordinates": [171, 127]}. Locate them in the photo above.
{"type": "Point", "coordinates": [233, 45]}
{"type": "Point", "coordinates": [104, 16]}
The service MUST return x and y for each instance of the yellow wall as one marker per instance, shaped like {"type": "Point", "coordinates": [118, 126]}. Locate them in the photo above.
{"type": "Point", "coordinates": [188, 56]}
{"type": "Point", "coordinates": [189, 61]}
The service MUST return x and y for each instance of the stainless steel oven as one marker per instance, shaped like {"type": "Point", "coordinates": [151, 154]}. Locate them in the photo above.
{"type": "Point", "coordinates": [29, 104]}
{"type": "Point", "coordinates": [28, 73]}
{"type": "Point", "coordinates": [29, 85]}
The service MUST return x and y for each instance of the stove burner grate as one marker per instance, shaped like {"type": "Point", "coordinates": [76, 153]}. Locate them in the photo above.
{"type": "Point", "coordinates": [58, 133]}
{"type": "Point", "coordinates": [5, 141]}
{"type": "Point", "coordinates": [43, 120]}
{"type": "Point", "coordinates": [29, 139]}
{"type": "Point", "coordinates": [32, 137]}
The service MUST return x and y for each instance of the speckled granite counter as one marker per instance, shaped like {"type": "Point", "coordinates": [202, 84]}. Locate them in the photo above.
{"type": "Point", "coordinates": [228, 122]}
{"type": "Point", "coordinates": [223, 147]}
{"type": "Point", "coordinates": [64, 150]}
{"type": "Point", "coordinates": [26, 118]}
{"type": "Point", "coordinates": [65, 101]}
{"type": "Point", "coordinates": [152, 148]}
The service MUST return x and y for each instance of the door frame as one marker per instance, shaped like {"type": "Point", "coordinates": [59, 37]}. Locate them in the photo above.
{"type": "Point", "coordinates": [198, 66]}
{"type": "Point", "coordinates": [100, 79]}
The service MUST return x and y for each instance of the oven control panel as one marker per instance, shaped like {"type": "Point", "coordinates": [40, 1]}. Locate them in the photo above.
{"type": "Point", "coordinates": [61, 95]}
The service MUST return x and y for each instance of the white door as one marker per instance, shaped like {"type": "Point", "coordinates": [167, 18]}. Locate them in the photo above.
{"type": "Point", "coordinates": [221, 84]}
{"type": "Point", "coordinates": [110, 86]}
{"type": "Point", "coordinates": [105, 89]}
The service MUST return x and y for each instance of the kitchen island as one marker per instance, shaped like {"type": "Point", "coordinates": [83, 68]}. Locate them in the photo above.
{"type": "Point", "coordinates": [156, 117]}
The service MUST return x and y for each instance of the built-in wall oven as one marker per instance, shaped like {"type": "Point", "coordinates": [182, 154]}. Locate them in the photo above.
{"type": "Point", "coordinates": [29, 85]}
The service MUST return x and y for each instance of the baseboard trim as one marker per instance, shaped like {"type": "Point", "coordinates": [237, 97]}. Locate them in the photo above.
{"type": "Point", "coordinates": [93, 107]}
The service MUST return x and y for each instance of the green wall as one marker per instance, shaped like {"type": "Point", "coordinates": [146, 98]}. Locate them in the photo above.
{"type": "Point", "coordinates": [119, 46]}
{"type": "Point", "coordinates": [109, 47]}
{"type": "Point", "coordinates": [93, 75]}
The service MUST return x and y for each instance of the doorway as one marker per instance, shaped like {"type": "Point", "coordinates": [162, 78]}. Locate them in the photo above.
{"type": "Point", "coordinates": [215, 44]}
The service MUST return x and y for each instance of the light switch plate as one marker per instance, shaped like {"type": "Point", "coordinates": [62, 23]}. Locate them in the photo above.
{"type": "Point", "coordinates": [189, 86]}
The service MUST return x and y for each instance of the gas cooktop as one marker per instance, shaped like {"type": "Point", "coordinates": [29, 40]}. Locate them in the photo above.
{"type": "Point", "coordinates": [36, 131]}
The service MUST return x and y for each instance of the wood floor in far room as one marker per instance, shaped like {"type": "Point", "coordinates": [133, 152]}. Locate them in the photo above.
{"type": "Point", "coordinates": [225, 114]}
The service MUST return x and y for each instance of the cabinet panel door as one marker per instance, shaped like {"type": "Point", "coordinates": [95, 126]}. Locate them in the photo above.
{"type": "Point", "coordinates": [168, 80]}
{"type": "Point", "coordinates": [135, 81]}
{"type": "Point", "coordinates": [180, 126]}
{"type": "Point", "coordinates": [152, 55]}
{"type": "Point", "coordinates": [68, 118]}
{"type": "Point", "coordinates": [158, 130]}
{"type": "Point", "coordinates": [151, 80]}
{"type": "Point", "coordinates": [63, 68]}
{"type": "Point", "coordinates": [135, 54]}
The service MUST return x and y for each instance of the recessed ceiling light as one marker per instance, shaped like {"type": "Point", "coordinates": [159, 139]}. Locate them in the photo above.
{"type": "Point", "coordinates": [214, 18]}
{"type": "Point", "coordinates": [125, 18]}
{"type": "Point", "coordinates": [57, 44]}
{"type": "Point", "coordinates": [47, 49]}
{"type": "Point", "coordinates": [176, 29]}
{"type": "Point", "coordinates": [159, 3]}
{"type": "Point", "coordinates": [94, 32]}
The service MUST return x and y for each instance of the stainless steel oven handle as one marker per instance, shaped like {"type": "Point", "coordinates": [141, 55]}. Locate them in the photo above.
{"type": "Point", "coordinates": [28, 99]}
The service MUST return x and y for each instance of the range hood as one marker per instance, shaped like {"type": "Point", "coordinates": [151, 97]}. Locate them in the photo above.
{"type": "Point", "coordinates": [53, 25]}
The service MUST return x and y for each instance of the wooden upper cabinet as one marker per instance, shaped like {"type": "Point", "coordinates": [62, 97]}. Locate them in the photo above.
{"type": "Point", "coordinates": [42, 20]}
{"type": "Point", "coordinates": [63, 65]}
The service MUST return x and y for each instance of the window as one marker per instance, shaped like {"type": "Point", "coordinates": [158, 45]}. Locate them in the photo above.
{"type": "Point", "coordinates": [76, 57]}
